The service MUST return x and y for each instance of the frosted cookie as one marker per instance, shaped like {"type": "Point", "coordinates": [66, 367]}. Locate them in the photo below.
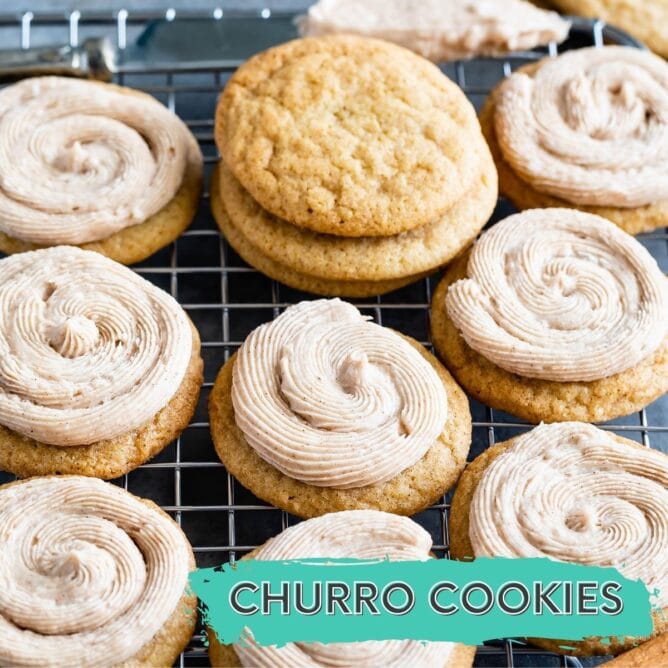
{"type": "Point", "coordinates": [440, 29]}
{"type": "Point", "coordinates": [588, 130]}
{"type": "Point", "coordinates": [645, 20]}
{"type": "Point", "coordinates": [93, 165]}
{"type": "Point", "coordinates": [99, 369]}
{"type": "Point", "coordinates": [322, 410]}
{"type": "Point", "coordinates": [91, 574]}
{"type": "Point", "coordinates": [357, 533]}
{"type": "Point", "coordinates": [555, 315]}
{"type": "Point", "coordinates": [349, 136]}
{"type": "Point", "coordinates": [595, 498]}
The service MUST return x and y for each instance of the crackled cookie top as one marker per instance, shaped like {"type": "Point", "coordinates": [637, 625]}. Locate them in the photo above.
{"type": "Point", "coordinates": [590, 126]}
{"type": "Point", "coordinates": [362, 534]}
{"type": "Point", "coordinates": [560, 295]}
{"type": "Point", "coordinates": [87, 572]}
{"type": "Point", "coordinates": [331, 399]}
{"type": "Point", "coordinates": [88, 349]}
{"type": "Point", "coordinates": [440, 29]}
{"type": "Point", "coordinates": [575, 493]}
{"type": "Point", "coordinates": [81, 160]}
{"type": "Point", "coordinates": [348, 135]}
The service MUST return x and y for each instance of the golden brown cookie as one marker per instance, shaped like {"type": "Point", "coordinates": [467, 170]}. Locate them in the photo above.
{"type": "Point", "coordinates": [111, 458]}
{"type": "Point", "coordinates": [651, 653]}
{"type": "Point", "coordinates": [283, 273]}
{"type": "Point", "coordinates": [336, 258]}
{"type": "Point", "coordinates": [534, 399]}
{"type": "Point", "coordinates": [414, 489]}
{"type": "Point", "coordinates": [524, 196]}
{"type": "Point", "coordinates": [348, 135]}
{"type": "Point", "coordinates": [461, 548]}
{"type": "Point", "coordinates": [644, 19]}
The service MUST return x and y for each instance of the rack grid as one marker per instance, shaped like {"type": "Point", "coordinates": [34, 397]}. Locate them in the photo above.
{"type": "Point", "coordinates": [227, 299]}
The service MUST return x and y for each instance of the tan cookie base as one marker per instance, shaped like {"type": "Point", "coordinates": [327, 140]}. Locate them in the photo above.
{"type": "Point", "coordinates": [108, 459]}
{"type": "Point", "coordinates": [651, 653]}
{"type": "Point", "coordinates": [284, 274]}
{"type": "Point", "coordinates": [646, 20]}
{"type": "Point", "coordinates": [409, 492]}
{"type": "Point", "coordinates": [337, 258]}
{"type": "Point", "coordinates": [537, 400]}
{"type": "Point", "coordinates": [461, 548]}
{"type": "Point", "coordinates": [524, 196]}
{"type": "Point", "coordinates": [137, 242]}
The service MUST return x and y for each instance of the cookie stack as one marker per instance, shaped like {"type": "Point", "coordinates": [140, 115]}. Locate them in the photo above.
{"type": "Point", "coordinates": [350, 166]}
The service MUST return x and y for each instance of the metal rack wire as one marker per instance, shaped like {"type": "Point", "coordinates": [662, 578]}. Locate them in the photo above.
{"type": "Point", "coordinates": [226, 299]}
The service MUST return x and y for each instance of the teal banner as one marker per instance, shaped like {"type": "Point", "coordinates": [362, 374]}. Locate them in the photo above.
{"type": "Point", "coordinates": [348, 600]}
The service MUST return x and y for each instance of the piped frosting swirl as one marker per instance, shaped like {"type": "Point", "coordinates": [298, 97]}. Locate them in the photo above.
{"type": "Point", "coordinates": [81, 160]}
{"type": "Point", "coordinates": [560, 295]}
{"type": "Point", "coordinates": [88, 572]}
{"type": "Point", "coordinates": [88, 349]}
{"type": "Point", "coordinates": [590, 126]}
{"type": "Point", "coordinates": [362, 534]}
{"type": "Point", "coordinates": [331, 399]}
{"type": "Point", "coordinates": [574, 493]}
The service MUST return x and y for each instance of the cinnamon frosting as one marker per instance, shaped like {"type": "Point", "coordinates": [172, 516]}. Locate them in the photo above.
{"type": "Point", "coordinates": [560, 295]}
{"type": "Point", "coordinates": [574, 493]}
{"type": "Point", "coordinates": [590, 126]}
{"type": "Point", "coordinates": [362, 534]}
{"type": "Point", "coordinates": [331, 399]}
{"type": "Point", "coordinates": [88, 349]}
{"type": "Point", "coordinates": [88, 572]}
{"type": "Point", "coordinates": [440, 29]}
{"type": "Point", "coordinates": [81, 160]}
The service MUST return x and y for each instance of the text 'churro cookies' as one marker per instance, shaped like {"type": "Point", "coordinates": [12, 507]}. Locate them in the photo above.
{"type": "Point", "coordinates": [350, 166]}
{"type": "Point", "coordinates": [588, 130]}
{"type": "Point", "coordinates": [555, 315]}
{"type": "Point", "coordinates": [91, 576]}
{"type": "Point", "coordinates": [99, 369]}
{"type": "Point", "coordinates": [322, 410]}
{"type": "Point", "coordinates": [570, 492]}
{"type": "Point", "coordinates": [360, 534]}
{"type": "Point", "coordinates": [94, 165]}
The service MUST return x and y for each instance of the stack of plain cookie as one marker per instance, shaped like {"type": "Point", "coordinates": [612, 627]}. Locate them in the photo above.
{"type": "Point", "coordinates": [350, 166]}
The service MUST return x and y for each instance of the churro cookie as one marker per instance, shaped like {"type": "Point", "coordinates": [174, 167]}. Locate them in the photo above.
{"type": "Point", "coordinates": [595, 498]}
{"type": "Point", "coordinates": [364, 534]}
{"type": "Point", "coordinates": [588, 130]}
{"type": "Point", "coordinates": [644, 20]}
{"type": "Point", "coordinates": [322, 410]}
{"type": "Point", "coordinates": [99, 369]}
{"type": "Point", "coordinates": [93, 165]}
{"type": "Point", "coordinates": [348, 135]}
{"type": "Point", "coordinates": [555, 315]}
{"type": "Point", "coordinates": [91, 575]}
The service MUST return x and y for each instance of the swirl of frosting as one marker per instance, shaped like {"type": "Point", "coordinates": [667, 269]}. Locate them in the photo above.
{"type": "Point", "coordinates": [572, 492]}
{"type": "Point", "coordinates": [361, 534]}
{"type": "Point", "coordinates": [331, 399]}
{"type": "Point", "coordinates": [590, 126]}
{"type": "Point", "coordinates": [80, 160]}
{"type": "Point", "coordinates": [560, 295]}
{"type": "Point", "coordinates": [87, 572]}
{"type": "Point", "coordinates": [88, 349]}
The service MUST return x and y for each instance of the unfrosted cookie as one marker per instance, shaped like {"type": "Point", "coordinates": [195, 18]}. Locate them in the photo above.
{"type": "Point", "coordinates": [356, 259]}
{"type": "Point", "coordinates": [644, 19]}
{"type": "Point", "coordinates": [349, 136]}
{"type": "Point", "coordinates": [284, 273]}
{"type": "Point", "coordinates": [575, 452]}
{"type": "Point", "coordinates": [99, 371]}
{"type": "Point", "coordinates": [549, 293]}
{"type": "Point", "coordinates": [351, 534]}
{"type": "Point", "coordinates": [390, 396]}
{"type": "Point", "coordinates": [564, 146]}
{"type": "Point", "coordinates": [94, 165]}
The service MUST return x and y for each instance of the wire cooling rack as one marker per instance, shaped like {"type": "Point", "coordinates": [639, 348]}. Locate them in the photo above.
{"type": "Point", "coordinates": [226, 299]}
